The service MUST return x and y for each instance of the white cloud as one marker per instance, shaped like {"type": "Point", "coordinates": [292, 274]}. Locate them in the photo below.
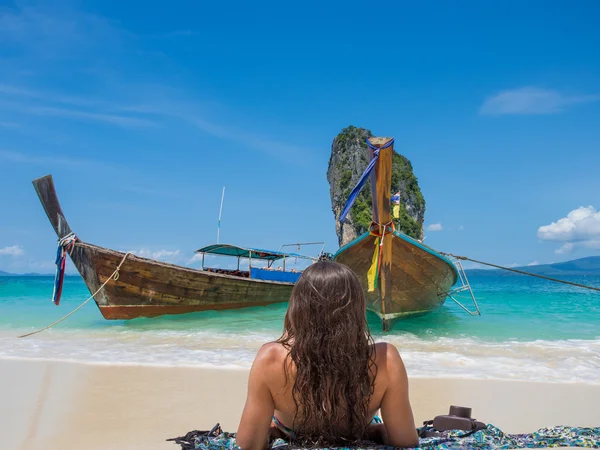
{"type": "Point", "coordinates": [534, 263]}
{"type": "Point", "coordinates": [13, 250]}
{"type": "Point", "coordinates": [435, 227]}
{"type": "Point", "coordinates": [532, 100]}
{"type": "Point", "coordinates": [461, 228]}
{"type": "Point", "coordinates": [566, 248]}
{"type": "Point", "coordinates": [195, 258]}
{"type": "Point", "coordinates": [165, 254]}
{"type": "Point", "coordinates": [160, 255]}
{"type": "Point", "coordinates": [209, 260]}
{"type": "Point", "coordinates": [581, 228]}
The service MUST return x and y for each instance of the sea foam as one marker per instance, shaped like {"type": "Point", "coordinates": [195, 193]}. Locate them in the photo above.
{"type": "Point", "coordinates": [565, 361]}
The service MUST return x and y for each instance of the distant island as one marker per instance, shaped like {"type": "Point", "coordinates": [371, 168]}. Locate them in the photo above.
{"type": "Point", "coordinates": [31, 274]}
{"type": "Point", "coordinates": [589, 266]}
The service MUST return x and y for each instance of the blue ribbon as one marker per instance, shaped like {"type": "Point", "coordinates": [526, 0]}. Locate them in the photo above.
{"type": "Point", "coordinates": [59, 275]}
{"type": "Point", "coordinates": [363, 179]}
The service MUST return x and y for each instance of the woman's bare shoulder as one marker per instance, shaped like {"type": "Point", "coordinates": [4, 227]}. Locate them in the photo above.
{"type": "Point", "coordinates": [272, 353]}
{"type": "Point", "coordinates": [387, 357]}
{"type": "Point", "coordinates": [269, 365]}
{"type": "Point", "coordinates": [385, 350]}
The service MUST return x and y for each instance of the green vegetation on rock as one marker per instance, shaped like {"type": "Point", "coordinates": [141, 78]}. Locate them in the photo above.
{"type": "Point", "coordinates": [349, 158]}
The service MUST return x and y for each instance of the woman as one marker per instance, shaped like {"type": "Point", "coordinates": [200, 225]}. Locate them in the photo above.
{"type": "Point", "coordinates": [324, 379]}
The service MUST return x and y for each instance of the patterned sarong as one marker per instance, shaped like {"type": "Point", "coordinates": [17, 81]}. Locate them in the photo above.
{"type": "Point", "coordinates": [489, 438]}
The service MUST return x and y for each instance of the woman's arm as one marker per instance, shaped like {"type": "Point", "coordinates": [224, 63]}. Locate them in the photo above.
{"type": "Point", "coordinates": [253, 431]}
{"type": "Point", "coordinates": [395, 406]}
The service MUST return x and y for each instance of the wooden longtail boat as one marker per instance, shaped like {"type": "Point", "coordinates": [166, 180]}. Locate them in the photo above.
{"type": "Point", "coordinates": [408, 278]}
{"type": "Point", "coordinates": [149, 288]}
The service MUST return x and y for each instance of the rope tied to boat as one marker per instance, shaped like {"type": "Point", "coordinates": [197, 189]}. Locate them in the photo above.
{"type": "Point", "coordinates": [65, 246]}
{"type": "Point", "coordinates": [522, 272]}
{"type": "Point", "coordinates": [379, 231]}
{"type": "Point", "coordinates": [114, 276]}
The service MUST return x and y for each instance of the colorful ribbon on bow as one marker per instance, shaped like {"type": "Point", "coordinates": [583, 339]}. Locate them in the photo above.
{"type": "Point", "coordinates": [375, 269]}
{"type": "Point", "coordinates": [64, 246]}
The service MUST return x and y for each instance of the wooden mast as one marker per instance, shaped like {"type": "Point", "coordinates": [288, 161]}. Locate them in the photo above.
{"type": "Point", "coordinates": [381, 183]}
{"type": "Point", "coordinates": [44, 187]}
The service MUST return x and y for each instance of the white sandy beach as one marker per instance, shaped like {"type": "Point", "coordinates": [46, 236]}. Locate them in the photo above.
{"type": "Point", "coordinates": [65, 405]}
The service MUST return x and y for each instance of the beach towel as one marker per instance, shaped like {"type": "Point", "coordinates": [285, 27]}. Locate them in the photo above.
{"type": "Point", "coordinates": [488, 438]}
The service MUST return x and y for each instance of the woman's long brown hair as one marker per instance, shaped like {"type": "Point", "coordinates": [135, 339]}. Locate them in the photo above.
{"type": "Point", "coordinates": [331, 357]}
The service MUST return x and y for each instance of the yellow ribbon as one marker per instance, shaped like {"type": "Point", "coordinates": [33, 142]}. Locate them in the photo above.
{"type": "Point", "coordinates": [372, 273]}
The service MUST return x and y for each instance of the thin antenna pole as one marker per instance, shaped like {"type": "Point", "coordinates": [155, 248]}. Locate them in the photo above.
{"type": "Point", "coordinates": [220, 212]}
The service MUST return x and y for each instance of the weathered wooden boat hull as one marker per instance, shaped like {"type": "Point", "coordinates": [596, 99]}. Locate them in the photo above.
{"type": "Point", "coordinates": [420, 277]}
{"type": "Point", "coordinates": [412, 278]}
{"type": "Point", "coordinates": [149, 288]}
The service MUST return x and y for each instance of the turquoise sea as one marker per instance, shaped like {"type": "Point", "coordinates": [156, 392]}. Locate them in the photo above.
{"type": "Point", "coordinates": [530, 329]}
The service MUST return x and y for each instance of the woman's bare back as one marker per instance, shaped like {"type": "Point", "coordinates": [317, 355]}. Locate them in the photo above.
{"type": "Point", "coordinates": [270, 393]}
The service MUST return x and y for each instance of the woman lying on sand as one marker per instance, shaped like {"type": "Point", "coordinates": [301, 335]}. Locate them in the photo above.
{"type": "Point", "coordinates": [324, 379]}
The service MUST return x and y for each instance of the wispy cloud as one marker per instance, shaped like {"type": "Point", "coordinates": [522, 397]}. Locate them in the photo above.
{"type": "Point", "coordinates": [51, 38]}
{"type": "Point", "coordinates": [435, 227]}
{"type": "Point", "coordinates": [197, 257]}
{"type": "Point", "coordinates": [13, 250]}
{"type": "Point", "coordinates": [45, 104]}
{"type": "Point", "coordinates": [209, 260]}
{"type": "Point", "coordinates": [114, 119]}
{"type": "Point", "coordinates": [53, 31]}
{"type": "Point", "coordinates": [23, 158]}
{"type": "Point", "coordinates": [193, 114]}
{"type": "Point", "coordinates": [15, 91]}
{"type": "Point", "coordinates": [170, 256]}
{"type": "Point", "coordinates": [64, 162]}
{"type": "Point", "coordinates": [532, 100]}
{"type": "Point", "coordinates": [84, 42]}
{"type": "Point", "coordinates": [580, 228]}
{"type": "Point", "coordinates": [49, 104]}
{"type": "Point", "coordinates": [19, 92]}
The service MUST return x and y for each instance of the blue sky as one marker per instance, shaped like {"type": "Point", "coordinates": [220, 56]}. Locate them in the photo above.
{"type": "Point", "coordinates": [142, 112]}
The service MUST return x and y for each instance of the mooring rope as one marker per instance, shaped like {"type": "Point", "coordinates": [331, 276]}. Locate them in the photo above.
{"type": "Point", "coordinates": [65, 246]}
{"type": "Point", "coordinates": [543, 277]}
{"type": "Point", "coordinates": [114, 276]}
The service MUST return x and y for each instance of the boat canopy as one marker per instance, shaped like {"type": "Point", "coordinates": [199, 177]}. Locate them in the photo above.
{"type": "Point", "coordinates": [253, 253]}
